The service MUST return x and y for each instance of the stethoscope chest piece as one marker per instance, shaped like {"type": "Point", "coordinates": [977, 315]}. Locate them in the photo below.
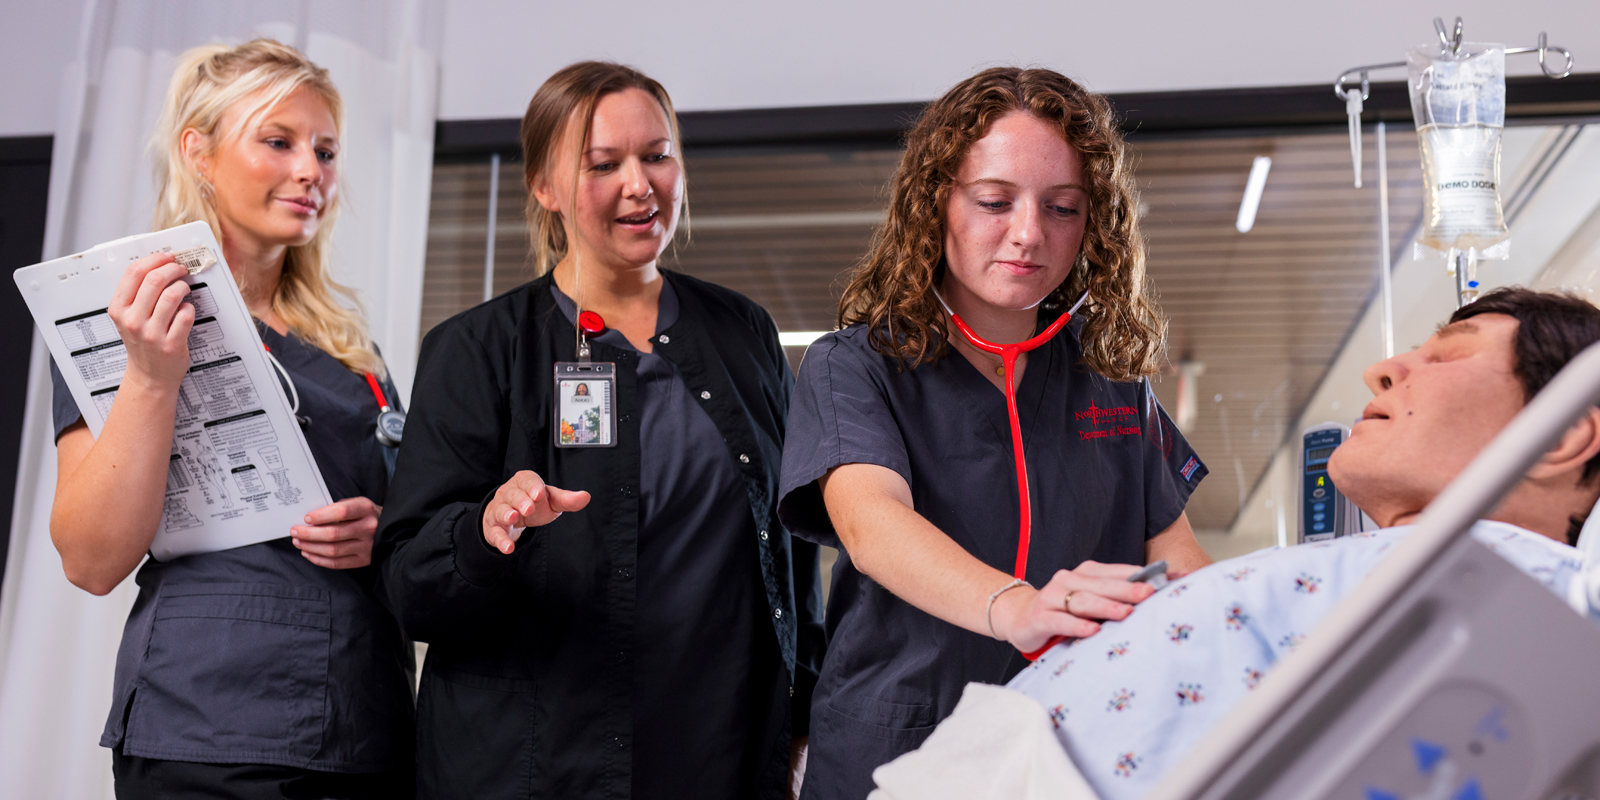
{"type": "Point", "coordinates": [391, 424]}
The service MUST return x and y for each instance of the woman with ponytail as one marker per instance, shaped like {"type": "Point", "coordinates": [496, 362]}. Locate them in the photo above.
{"type": "Point", "coordinates": [610, 606]}
{"type": "Point", "coordinates": [268, 670]}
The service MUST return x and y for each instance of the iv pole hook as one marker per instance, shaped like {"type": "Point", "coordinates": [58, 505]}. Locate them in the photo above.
{"type": "Point", "coordinates": [1450, 44]}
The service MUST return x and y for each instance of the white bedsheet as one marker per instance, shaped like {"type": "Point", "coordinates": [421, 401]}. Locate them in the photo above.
{"type": "Point", "coordinates": [1107, 716]}
{"type": "Point", "coordinates": [998, 743]}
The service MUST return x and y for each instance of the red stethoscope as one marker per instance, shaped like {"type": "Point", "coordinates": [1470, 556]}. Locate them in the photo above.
{"type": "Point", "coordinates": [1008, 357]}
{"type": "Point", "coordinates": [391, 423]}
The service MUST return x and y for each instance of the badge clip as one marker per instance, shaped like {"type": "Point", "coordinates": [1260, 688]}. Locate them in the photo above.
{"type": "Point", "coordinates": [586, 397]}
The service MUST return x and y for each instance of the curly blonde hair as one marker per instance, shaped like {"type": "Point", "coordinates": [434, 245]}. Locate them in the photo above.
{"type": "Point", "coordinates": [249, 80]}
{"type": "Point", "coordinates": [891, 290]}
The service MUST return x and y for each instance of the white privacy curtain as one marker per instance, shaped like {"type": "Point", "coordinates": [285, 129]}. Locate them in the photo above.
{"type": "Point", "coordinates": [58, 644]}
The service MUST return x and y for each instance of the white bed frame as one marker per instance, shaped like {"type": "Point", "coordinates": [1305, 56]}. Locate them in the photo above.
{"type": "Point", "coordinates": [1449, 674]}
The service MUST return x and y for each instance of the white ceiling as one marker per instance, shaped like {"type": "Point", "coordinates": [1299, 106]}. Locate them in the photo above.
{"type": "Point", "coordinates": [717, 54]}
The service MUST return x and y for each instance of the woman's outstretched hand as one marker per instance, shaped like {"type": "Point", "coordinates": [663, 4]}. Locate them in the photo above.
{"type": "Point", "coordinates": [1069, 605]}
{"type": "Point", "coordinates": [525, 502]}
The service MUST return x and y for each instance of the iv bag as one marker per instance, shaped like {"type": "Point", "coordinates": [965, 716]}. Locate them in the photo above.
{"type": "Point", "coordinates": [1459, 101]}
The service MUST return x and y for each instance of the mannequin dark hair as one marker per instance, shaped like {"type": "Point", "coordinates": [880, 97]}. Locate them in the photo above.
{"type": "Point", "coordinates": [1552, 329]}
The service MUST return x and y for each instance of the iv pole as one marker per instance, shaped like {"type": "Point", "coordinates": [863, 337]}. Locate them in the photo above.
{"type": "Point", "coordinates": [1353, 99]}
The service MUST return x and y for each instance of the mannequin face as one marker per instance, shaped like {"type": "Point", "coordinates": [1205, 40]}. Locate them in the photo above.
{"type": "Point", "coordinates": [627, 182]}
{"type": "Point", "coordinates": [274, 181]}
{"type": "Point", "coordinates": [1433, 410]}
{"type": "Point", "coordinates": [1015, 217]}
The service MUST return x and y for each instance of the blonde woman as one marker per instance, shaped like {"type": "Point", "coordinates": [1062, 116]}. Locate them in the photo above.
{"type": "Point", "coordinates": [647, 630]}
{"type": "Point", "coordinates": [1014, 202]}
{"type": "Point", "coordinates": [268, 670]}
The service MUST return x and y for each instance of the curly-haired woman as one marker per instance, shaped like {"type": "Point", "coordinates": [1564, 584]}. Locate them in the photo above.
{"type": "Point", "coordinates": [1014, 201]}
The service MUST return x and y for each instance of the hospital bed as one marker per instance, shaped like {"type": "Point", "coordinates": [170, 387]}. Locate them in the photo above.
{"type": "Point", "coordinates": [1450, 675]}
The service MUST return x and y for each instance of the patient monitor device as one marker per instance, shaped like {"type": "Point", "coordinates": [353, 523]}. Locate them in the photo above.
{"type": "Point", "coordinates": [1325, 513]}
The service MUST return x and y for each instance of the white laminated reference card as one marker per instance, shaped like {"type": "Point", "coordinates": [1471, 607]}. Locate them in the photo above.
{"type": "Point", "coordinates": [240, 471]}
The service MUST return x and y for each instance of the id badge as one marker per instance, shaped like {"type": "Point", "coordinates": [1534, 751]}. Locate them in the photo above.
{"type": "Point", "coordinates": [586, 404]}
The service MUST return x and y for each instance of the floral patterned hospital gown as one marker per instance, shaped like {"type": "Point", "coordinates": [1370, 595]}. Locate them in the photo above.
{"type": "Point", "coordinates": [1129, 702]}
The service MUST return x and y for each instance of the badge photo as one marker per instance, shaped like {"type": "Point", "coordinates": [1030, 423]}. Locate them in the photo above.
{"type": "Point", "coordinates": [585, 405]}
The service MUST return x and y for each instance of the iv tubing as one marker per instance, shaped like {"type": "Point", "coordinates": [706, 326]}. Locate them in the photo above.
{"type": "Point", "coordinates": [1384, 276]}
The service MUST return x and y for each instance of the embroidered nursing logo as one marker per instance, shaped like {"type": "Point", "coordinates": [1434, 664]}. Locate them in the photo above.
{"type": "Point", "coordinates": [1189, 694]}
{"type": "Point", "coordinates": [1251, 677]}
{"type": "Point", "coordinates": [1058, 715]}
{"type": "Point", "coordinates": [1307, 584]}
{"type": "Point", "coordinates": [1117, 651]}
{"type": "Point", "coordinates": [1121, 701]}
{"type": "Point", "coordinates": [1179, 633]}
{"type": "Point", "coordinates": [1189, 467]}
{"type": "Point", "coordinates": [1110, 417]}
{"type": "Point", "coordinates": [1063, 667]}
{"type": "Point", "coordinates": [1240, 574]}
{"type": "Point", "coordinates": [1105, 416]}
{"type": "Point", "coordinates": [1127, 763]}
{"type": "Point", "coordinates": [1236, 618]}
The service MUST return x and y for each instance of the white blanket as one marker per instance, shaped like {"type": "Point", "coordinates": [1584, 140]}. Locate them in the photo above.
{"type": "Point", "coordinates": [998, 743]}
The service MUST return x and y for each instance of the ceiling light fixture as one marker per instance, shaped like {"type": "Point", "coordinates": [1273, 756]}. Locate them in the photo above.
{"type": "Point", "coordinates": [1252, 193]}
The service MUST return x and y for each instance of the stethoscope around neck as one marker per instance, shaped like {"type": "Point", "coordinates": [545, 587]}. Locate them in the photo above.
{"type": "Point", "coordinates": [391, 422]}
{"type": "Point", "coordinates": [1008, 354]}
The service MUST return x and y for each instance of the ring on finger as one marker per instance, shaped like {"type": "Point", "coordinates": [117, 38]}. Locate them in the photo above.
{"type": "Point", "coordinates": [1066, 602]}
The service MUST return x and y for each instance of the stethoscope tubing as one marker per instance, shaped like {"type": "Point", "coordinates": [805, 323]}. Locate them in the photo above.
{"type": "Point", "coordinates": [386, 437]}
{"type": "Point", "coordinates": [1008, 357]}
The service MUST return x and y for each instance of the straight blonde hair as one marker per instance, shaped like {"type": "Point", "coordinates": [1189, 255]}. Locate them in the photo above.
{"type": "Point", "coordinates": [250, 80]}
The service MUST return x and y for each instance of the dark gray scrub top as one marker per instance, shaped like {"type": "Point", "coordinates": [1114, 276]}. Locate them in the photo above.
{"type": "Point", "coordinates": [706, 662]}
{"type": "Point", "coordinates": [1107, 470]}
{"type": "Point", "coordinates": [255, 655]}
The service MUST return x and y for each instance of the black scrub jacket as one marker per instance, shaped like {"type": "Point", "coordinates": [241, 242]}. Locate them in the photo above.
{"type": "Point", "coordinates": [1107, 470]}
{"type": "Point", "coordinates": [530, 681]}
{"type": "Point", "coordinates": [255, 655]}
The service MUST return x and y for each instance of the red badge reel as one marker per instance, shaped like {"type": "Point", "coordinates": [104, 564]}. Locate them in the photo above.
{"type": "Point", "coordinates": [585, 393]}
